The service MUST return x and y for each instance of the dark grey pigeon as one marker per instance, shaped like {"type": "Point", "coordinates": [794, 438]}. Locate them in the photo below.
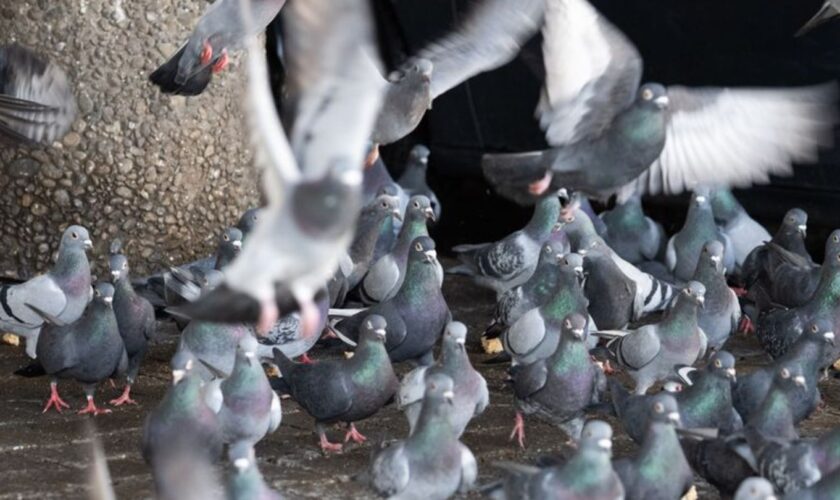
{"type": "Point", "coordinates": [755, 488]}
{"type": "Point", "coordinates": [774, 418]}
{"type": "Point", "coordinates": [36, 102]}
{"type": "Point", "coordinates": [612, 294]}
{"type": "Point", "coordinates": [511, 261]}
{"type": "Point", "coordinates": [470, 389]}
{"type": "Point", "coordinates": [790, 237]}
{"type": "Point", "coordinates": [372, 221]}
{"type": "Point", "coordinates": [89, 350]}
{"type": "Point", "coordinates": [743, 231]}
{"type": "Point", "coordinates": [63, 292]}
{"type": "Point", "coordinates": [559, 388]}
{"type": "Point", "coordinates": [416, 315]}
{"type": "Point", "coordinates": [389, 231]}
{"type": "Point", "coordinates": [287, 334]}
{"type": "Point", "coordinates": [246, 481]}
{"type": "Point", "coordinates": [413, 178]}
{"type": "Point", "coordinates": [344, 390]}
{"type": "Point", "coordinates": [721, 312]}
{"type": "Point", "coordinates": [685, 247]}
{"type": "Point", "coordinates": [634, 410]}
{"type": "Point", "coordinates": [407, 97]}
{"type": "Point", "coordinates": [633, 236]}
{"type": "Point", "coordinates": [659, 470]}
{"type": "Point", "coordinates": [829, 10]}
{"type": "Point", "coordinates": [608, 134]}
{"type": "Point", "coordinates": [431, 462]}
{"type": "Point", "coordinates": [707, 402]}
{"type": "Point", "coordinates": [136, 321]}
{"type": "Point", "coordinates": [247, 222]}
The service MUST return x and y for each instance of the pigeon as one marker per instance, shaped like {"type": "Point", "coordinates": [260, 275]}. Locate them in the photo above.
{"type": "Point", "coordinates": [247, 222]}
{"type": "Point", "coordinates": [136, 320]}
{"type": "Point", "coordinates": [790, 237]}
{"type": "Point", "coordinates": [220, 30]}
{"type": "Point", "coordinates": [372, 221]}
{"type": "Point", "coordinates": [755, 488]}
{"type": "Point", "coordinates": [63, 292]}
{"type": "Point", "coordinates": [632, 235]}
{"type": "Point", "coordinates": [650, 352]}
{"type": "Point", "coordinates": [685, 247]}
{"type": "Point", "coordinates": [725, 462]}
{"type": "Point", "coordinates": [36, 102]}
{"type": "Point", "coordinates": [744, 233]}
{"type": "Point", "coordinates": [827, 487]}
{"type": "Point", "coordinates": [536, 334]}
{"type": "Point", "coordinates": [377, 180]}
{"type": "Point", "coordinates": [214, 345]}
{"type": "Point", "coordinates": [560, 387]}
{"type": "Point", "coordinates": [826, 451]}
{"type": "Point", "coordinates": [416, 315]}
{"type": "Point", "coordinates": [407, 97]}
{"type": "Point", "coordinates": [471, 397]}
{"type": "Point", "coordinates": [774, 418]}
{"type": "Point", "coordinates": [510, 261]}
{"type": "Point", "coordinates": [808, 352]}
{"type": "Point", "coordinates": [288, 336]}
{"type": "Point", "coordinates": [721, 313]}
{"type": "Point", "coordinates": [634, 410]}
{"type": "Point", "coordinates": [344, 390]}
{"type": "Point", "coordinates": [587, 474]}
{"type": "Point", "coordinates": [431, 462]}
{"type": "Point", "coordinates": [390, 230]}
{"type": "Point", "coordinates": [660, 469]}
{"type": "Point", "coordinates": [610, 135]}
{"type": "Point", "coordinates": [829, 10]}
{"type": "Point", "coordinates": [707, 401]}
{"type": "Point", "coordinates": [613, 294]}
{"type": "Point", "coordinates": [413, 178]}
{"type": "Point", "coordinates": [229, 247]}
{"type": "Point", "coordinates": [246, 482]}
{"type": "Point", "coordinates": [386, 275]}
{"type": "Point", "coordinates": [250, 409]}
{"type": "Point", "coordinates": [312, 180]}
{"type": "Point", "coordinates": [88, 350]}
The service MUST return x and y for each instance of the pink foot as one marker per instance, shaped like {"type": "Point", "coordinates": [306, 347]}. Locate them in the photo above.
{"type": "Point", "coordinates": [310, 317]}
{"type": "Point", "coordinates": [372, 156]}
{"type": "Point", "coordinates": [92, 409]}
{"type": "Point", "coordinates": [739, 291]}
{"type": "Point", "coordinates": [327, 447]}
{"type": "Point", "coordinates": [746, 325]}
{"type": "Point", "coordinates": [206, 53]}
{"type": "Point", "coordinates": [55, 399]}
{"type": "Point", "coordinates": [519, 430]}
{"type": "Point", "coordinates": [268, 316]}
{"type": "Point", "coordinates": [541, 186]}
{"type": "Point", "coordinates": [124, 398]}
{"type": "Point", "coordinates": [305, 359]}
{"type": "Point", "coordinates": [220, 64]}
{"type": "Point", "coordinates": [355, 435]}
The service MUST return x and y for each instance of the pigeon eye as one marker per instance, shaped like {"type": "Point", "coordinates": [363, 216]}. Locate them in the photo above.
{"type": "Point", "coordinates": [718, 364]}
{"type": "Point", "coordinates": [416, 204]}
{"type": "Point", "coordinates": [567, 324]}
{"type": "Point", "coordinates": [226, 238]}
{"type": "Point", "coordinates": [97, 293]}
{"type": "Point", "coordinates": [835, 238]}
{"type": "Point", "coordinates": [74, 235]}
{"type": "Point", "coordinates": [790, 219]}
{"type": "Point", "coordinates": [647, 94]}
{"type": "Point", "coordinates": [658, 408]}
{"type": "Point", "coordinates": [384, 205]}
{"type": "Point", "coordinates": [418, 247]}
{"type": "Point", "coordinates": [838, 256]}
{"type": "Point", "coordinates": [814, 328]}
{"type": "Point", "coordinates": [785, 373]}
{"type": "Point", "coordinates": [125, 265]}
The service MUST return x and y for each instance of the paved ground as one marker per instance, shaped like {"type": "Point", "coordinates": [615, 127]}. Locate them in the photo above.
{"type": "Point", "coordinates": [46, 455]}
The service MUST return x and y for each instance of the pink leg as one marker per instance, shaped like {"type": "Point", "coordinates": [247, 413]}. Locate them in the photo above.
{"type": "Point", "coordinates": [206, 53]}
{"type": "Point", "coordinates": [221, 63]}
{"type": "Point", "coordinates": [519, 430]}
{"type": "Point", "coordinates": [305, 359]}
{"type": "Point", "coordinates": [539, 187]}
{"type": "Point", "coordinates": [327, 447]}
{"type": "Point", "coordinates": [124, 398]}
{"type": "Point", "coordinates": [355, 435]}
{"type": "Point", "coordinates": [739, 291]}
{"type": "Point", "coordinates": [372, 156]}
{"type": "Point", "coordinates": [268, 316]}
{"type": "Point", "coordinates": [746, 325]}
{"type": "Point", "coordinates": [310, 317]}
{"type": "Point", "coordinates": [55, 399]}
{"type": "Point", "coordinates": [92, 409]}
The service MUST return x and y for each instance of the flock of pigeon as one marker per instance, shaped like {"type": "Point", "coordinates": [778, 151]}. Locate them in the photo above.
{"type": "Point", "coordinates": [579, 295]}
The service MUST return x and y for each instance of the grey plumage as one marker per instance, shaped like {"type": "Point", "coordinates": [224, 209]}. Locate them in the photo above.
{"type": "Point", "coordinates": [407, 97]}
{"type": "Point", "coordinates": [212, 346]}
{"type": "Point", "coordinates": [755, 488]}
{"type": "Point", "coordinates": [634, 410]}
{"type": "Point", "coordinates": [708, 401]}
{"type": "Point", "coordinates": [413, 178]}
{"type": "Point", "coordinates": [743, 231]}
{"type": "Point", "coordinates": [247, 221]}
{"type": "Point", "coordinates": [632, 235]}
{"type": "Point", "coordinates": [721, 312]}
{"type": "Point", "coordinates": [685, 247]}
{"type": "Point", "coordinates": [287, 334]}
{"type": "Point", "coordinates": [246, 481]}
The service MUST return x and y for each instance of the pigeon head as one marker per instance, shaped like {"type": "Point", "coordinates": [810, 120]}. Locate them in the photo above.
{"type": "Point", "coordinates": [723, 364]}
{"type": "Point", "coordinates": [248, 221]}
{"type": "Point", "coordinates": [374, 328]}
{"type": "Point", "coordinates": [653, 94]}
{"type": "Point", "coordinates": [423, 250]}
{"type": "Point", "coordinates": [385, 205]}
{"type": "Point", "coordinates": [119, 267]}
{"type": "Point", "coordinates": [755, 488]}
{"type": "Point", "coordinates": [439, 387]}
{"type": "Point", "coordinates": [790, 377]}
{"type": "Point", "coordinates": [419, 208]}
{"type": "Point", "coordinates": [325, 208]}
{"type": "Point", "coordinates": [696, 292]}
{"type": "Point", "coordinates": [455, 334]}
{"type": "Point", "coordinates": [664, 409]}
{"type": "Point", "coordinates": [552, 251]}
{"type": "Point", "coordinates": [419, 156]}
{"type": "Point", "coordinates": [571, 263]}
{"type": "Point", "coordinates": [103, 292]}
{"type": "Point", "coordinates": [712, 255]}
{"type": "Point", "coordinates": [796, 221]}
{"type": "Point", "coordinates": [574, 327]}
{"type": "Point", "coordinates": [597, 435]}
{"type": "Point", "coordinates": [832, 244]}
{"type": "Point", "coordinates": [589, 244]}
{"type": "Point", "coordinates": [231, 240]}
{"type": "Point", "coordinates": [820, 331]}
{"type": "Point", "coordinates": [182, 363]}
{"type": "Point", "coordinates": [76, 237]}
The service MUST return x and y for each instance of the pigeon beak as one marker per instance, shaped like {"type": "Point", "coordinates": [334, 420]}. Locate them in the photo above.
{"type": "Point", "coordinates": [829, 337]}
{"type": "Point", "coordinates": [579, 271]}
{"type": "Point", "coordinates": [563, 194]}
{"type": "Point", "coordinates": [431, 255]}
{"type": "Point", "coordinates": [605, 444]}
{"type": "Point", "coordinates": [380, 332]}
{"type": "Point", "coordinates": [177, 376]}
{"type": "Point", "coordinates": [108, 300]}
{"type": "Point", "coordinates": [250, 355]}
{"type": "Point", "coordinates": [803, 229]}
{"type": "Point", "coordinates": [115, 274]}
{"type": "Point", "coordinates": [662, 101]}
{"type": "Point", "coordinates": [449, 396]}
{"type": "Point", "coordinates": [237, 244]}
{"type": "Point", "coordinates": [241, 464]}
{"type": "Point", "coordinates": [430, 214]}
{"type": "Point", "coordinates": [700, 199]}
{"type": "Point", "coordinates": [702, 301]}
{"type": "Point", "coordinates": [397, 215]}
{"type": "Point", "coordinates": [730, 372]}
{"type": "Point", "coordinates": [799, 380]}
{"type": "Point", "coordinates": [577, 333]}
{"type": "Point", "coordinates": [715, 259]}
{"type": "Point", "coordinates": [582, 251]}
{"type": "Point", "coordinates": [460, 341]}
{"type": "Point", "coordinates": [88, 244]}
{"type": "Point", "coordinates": [674, 417]}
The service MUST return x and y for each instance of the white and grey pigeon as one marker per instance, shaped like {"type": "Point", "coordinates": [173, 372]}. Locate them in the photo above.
{"type": "Point", "coordinates": [62, 293]}
{"type": "Point", "coordinates": [685, 247]}
{"type": "Point", "coordinates": [743, 231]}
{"type": "Point", "coordinates": [36, 102]}
{"type": "Point", "coordinates": [312, 182]}
{"type": "Point", "coordinates": [611, 135]}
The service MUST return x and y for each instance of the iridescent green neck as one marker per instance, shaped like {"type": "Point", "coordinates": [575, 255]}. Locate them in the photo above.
{"type": "Point", "coordinates": [774, 417]}
{"type": "Point", "coordinates": [414, 227]}
{"type": "Point", "coordinates": [545, 217]}
{"type": "Point", "coordinates": [681, 320]}
{"type": "Point", "coordinates": [565, 299]}
{"type": "Point", "coordinates": [628, 215]}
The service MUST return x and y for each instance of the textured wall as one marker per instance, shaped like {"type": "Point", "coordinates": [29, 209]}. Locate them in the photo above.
{"type": "Point", "coordinates": [163, 173]}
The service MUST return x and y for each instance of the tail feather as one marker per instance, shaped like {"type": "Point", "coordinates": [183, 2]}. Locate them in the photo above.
{"type": "Point", "coordinates": [511, 174]}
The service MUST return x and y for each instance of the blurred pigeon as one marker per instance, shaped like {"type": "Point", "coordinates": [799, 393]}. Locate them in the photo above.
{"type": "Point", "coordinates": [413, 178]}
{"type": "Point", "coordinates": [659, 470]}
{"type": "Point", "coordinates": [407, 97]}
{"type": "Point", "coordinates": [63, 292]}
{"type": "Point", "coordinates": [288, 335]}
{"type": "Point", "coordinates": [214, 345]}
{"type": "Point", "coordinates": [685, 247]}
{"type": "Point", "coordinates": [829, 10]}
{"type": "Point", "coordinates": [650, 352]}
{"type": "Point", "coordinates": [790, 237]}
{"type": "Point", "coordinates": [827, 487]}
{"type": "Point", "coordinates": [470, 389]}
{"type": "Point", "coordinates": [826, 451]}
{"type": "Point", "coordinates": [634, 236]}
{"type": "Point", "coordinates": [377, 180]}
{"type": "Point", "coordinates": [136, 321]}
{"type": "Point", "coordinates": [416, 315]}
{"type": "Point", "coordinates": [510, 261]}
{"type": "Point", "coordinates": [89, 350]}
{"type": "Point", "coordinates": [634, 410]}
{"type": "Point", "coordinates": [721, 312]}
{"type": "Point", "coordinates": [246, 482]}
{"type": "Point", "coordinates": [250, 409]}
{"type": "Point", "coordinates": [344, 390]}
{"type": "Point", "coordinates": [560, 387]}
{"type": "Point", "coordinates": [372, 221]}
{"type": "Point", "coordinates": [36, 102]}
{"type": "Point", "coordinates": [707, 402]}
{"type": "Point", "coordinates": [743, 231]}
{"type": "Point", "coordinates": [608, 134]}
{"type": "Point", "coordinates": [247, 222]}
{"type": "Point", "coordinates": [431, 462]}
{"type": "Point", "coordinates": [536, 334]}
{"type": "Point", "coordinates": [755, 488]}
{"type": "Point", "coordinates": [221, 29]}
{"type": "Point", "coordinates": [387, 274]}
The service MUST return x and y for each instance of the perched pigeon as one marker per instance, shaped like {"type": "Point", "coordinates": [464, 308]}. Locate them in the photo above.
{"type": "Point", "coordinates": [36, 101]}
{"type": "Point", "coordinates": [89, 350]}
{"type": "Point", "coordinates": [707, 402]}
{"type": "Point", "coordinates": [407, 97]}
{"type": "Point", "coordinates": [829, 10]}
{"type": "Point", "coordinates": [774, 418]}
{"type": "Point", "coordinates": [288, 336]}
{"type": "Point", "coordinates": [413, 178]}
{"type": "Point", "coordinates": [372, 221]}
{"type": "Point", "coordinates": [431, 462]}
{"type": "Point", "coordinates": [743, 231]}
{"type": "Point", "coordinates": [650, 352]}
{"type": "Point", "coordinates": [63, 292]}
{"type": "Point", "coordinates": [246, 482]}
{"type": "Point", "coordinates": [136, 321]}
{"type": "Point", "coordinates": [390, 230]}
{"type": "Point", "coordinates": [470, 389]}
{"type": "Point", "coordinates": [214, 345]}
{"type": "Point", "coordinates": [634, 236]}
{"type": "Point", "coordinates": [416, 315]}
{"type": "Point", "coordinates": [386, 275]}
{"type": "Point", "coordinates": [510, 261]}
{"type": "Point", "coordinates": [613, 299]}
{"type": "Point", "coordinates": [609, 134]}
{"type": "Point", "coordinates": [634, 410]}
{"type": "Point", "coordinates": [560, 387]}
{"type": "Point", "coordinates": [685, 247]}
{"type": "Point", "coordinates": [755, 488]}
{"type": "Point", "coordinates": [247, 222]}
{"type": "Point", "coordinates": [344, 390]}
{"type": "Point", "coordinates": [721, 313]}
{"type": "Point", "coordinates": [222, 28]}
{"type": "Point", "coordinates": [790, 237]}
{"type": "Point", "coordinates": [250, 409]}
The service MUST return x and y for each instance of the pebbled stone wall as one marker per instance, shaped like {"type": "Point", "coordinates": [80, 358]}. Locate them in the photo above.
{"type": "Point", "coordinates": [164, 173]}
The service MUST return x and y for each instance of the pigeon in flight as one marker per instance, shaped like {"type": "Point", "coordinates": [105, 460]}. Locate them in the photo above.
{"type": "Point", "coordinates": [829, 10]}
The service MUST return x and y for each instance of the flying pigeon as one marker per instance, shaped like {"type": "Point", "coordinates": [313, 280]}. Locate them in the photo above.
{"type": "Point", "coordinates": [288, 335]}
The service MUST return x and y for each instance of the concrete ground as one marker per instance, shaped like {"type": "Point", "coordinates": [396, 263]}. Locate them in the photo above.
{"type": "Point", "coordinates": [46, 455]}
